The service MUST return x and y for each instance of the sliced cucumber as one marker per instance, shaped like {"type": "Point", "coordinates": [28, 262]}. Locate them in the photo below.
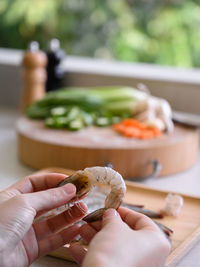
{"type": "Point", "coordinates": [116, 119]}
{"type": "Point", "coordinates": [49, 122]}
{"type": "Point", "coordinates": [75, 125]}
{"type": "Point", "coordinates": [58, 111]}
{"type": "Point", "coordinates": [73, 113]}
{"type": "Point", "coordinates": [87, 118]}
{"type": "Point", "coordinates": [102, 121]}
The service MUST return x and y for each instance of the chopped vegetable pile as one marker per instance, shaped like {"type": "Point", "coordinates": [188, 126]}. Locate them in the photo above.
{"type": "Point", "coordinates": [76, 108]}
{"type": "Point", "coordinates": [136, 129]}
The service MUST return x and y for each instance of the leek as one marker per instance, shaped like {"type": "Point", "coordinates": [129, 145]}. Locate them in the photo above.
{"type": "Point", "coordinates": [115, 100]}
{"type": "Point", "coordinates": [101, 106]}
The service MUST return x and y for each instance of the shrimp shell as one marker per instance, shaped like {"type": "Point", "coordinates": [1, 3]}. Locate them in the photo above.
{"type": "Point", "coordinates": [85, 179]}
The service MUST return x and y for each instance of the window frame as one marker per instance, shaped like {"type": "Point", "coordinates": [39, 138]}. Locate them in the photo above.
{"type": "Point", "coordinates": [181, 87]}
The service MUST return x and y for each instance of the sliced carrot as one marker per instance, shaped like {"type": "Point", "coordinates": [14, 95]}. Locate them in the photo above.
{"type": "Point", "coordinates": [132, 122]}
{"type": "Point", "coordinates": [135, 129]}
{"type": "Point", "coordinates": [119, 127]}
{"type": "Point", "coordinates": [147, 134]}
{"type": "Point", "coordinates": [156, 131]}
{"type": "Point", "coordinates": [133, 132]}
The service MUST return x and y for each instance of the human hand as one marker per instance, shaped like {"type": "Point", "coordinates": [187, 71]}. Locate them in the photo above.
{"type": "Point", "coordinates": [130, 240]}
{"type": "Point", "coordinates": [22, 239]}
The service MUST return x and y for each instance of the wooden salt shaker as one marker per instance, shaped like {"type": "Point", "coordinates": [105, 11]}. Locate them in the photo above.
{"type": "Point", "coordinates": [34, 75]}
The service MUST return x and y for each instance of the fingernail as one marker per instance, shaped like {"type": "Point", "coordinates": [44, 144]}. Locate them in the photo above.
{"type": "Point", "coordinates": [69, 188]}
{"type": "Point", "coordinates": [111, 213]}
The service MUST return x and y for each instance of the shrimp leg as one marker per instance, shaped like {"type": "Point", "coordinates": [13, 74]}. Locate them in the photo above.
{"type": "Point", "coordinates": [149, 213]}
{"type": "Point", "coordinates": [164, 228]}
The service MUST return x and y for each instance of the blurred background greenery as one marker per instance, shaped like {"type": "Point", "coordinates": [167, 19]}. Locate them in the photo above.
{"type": "Point", "coordinates": [163, 32]}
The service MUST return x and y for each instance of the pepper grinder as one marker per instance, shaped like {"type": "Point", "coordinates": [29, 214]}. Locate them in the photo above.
{"type": "Point", "coordinates": [55, 73]}
{"type": "Point", "coordinates": [34, 75]}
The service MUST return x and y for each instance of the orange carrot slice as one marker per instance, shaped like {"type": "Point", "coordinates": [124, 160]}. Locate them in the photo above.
{"type": "Point", "coordinates": [135, 129]}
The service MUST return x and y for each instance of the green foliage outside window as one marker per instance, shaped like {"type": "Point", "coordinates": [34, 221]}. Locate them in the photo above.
{"type": "Point", "coordinates": [164, 32]}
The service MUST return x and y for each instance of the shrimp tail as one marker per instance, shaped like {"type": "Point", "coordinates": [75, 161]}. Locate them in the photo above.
{"type": "Point", "coordinates": [95, 215]}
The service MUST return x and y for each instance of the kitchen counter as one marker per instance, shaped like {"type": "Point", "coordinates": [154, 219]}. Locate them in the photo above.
{"type": "Point", "coordinates": [11, 170]}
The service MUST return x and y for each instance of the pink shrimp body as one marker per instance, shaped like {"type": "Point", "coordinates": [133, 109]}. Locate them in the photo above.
{"type": "Point", "coordinates": [85, 179]}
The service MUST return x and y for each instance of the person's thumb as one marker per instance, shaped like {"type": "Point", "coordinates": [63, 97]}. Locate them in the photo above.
{"type": "Point", "coordinates": [111, 216]}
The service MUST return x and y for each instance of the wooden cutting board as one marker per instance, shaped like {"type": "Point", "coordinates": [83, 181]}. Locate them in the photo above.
{"type": "Point", "coordinates": [186, 226]}
{"type": "Point", "coordinates": [40, 147]}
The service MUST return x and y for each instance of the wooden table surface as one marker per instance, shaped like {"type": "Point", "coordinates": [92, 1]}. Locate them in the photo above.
{"type": "Point", "coordinates": [11, 170]}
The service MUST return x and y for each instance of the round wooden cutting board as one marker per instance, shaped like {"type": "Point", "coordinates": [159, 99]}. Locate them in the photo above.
{"type": "Point", "coordinates": [40, 147]}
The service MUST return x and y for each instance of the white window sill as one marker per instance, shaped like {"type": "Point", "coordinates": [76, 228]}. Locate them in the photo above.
{"type": "Point", "coordinates": [181, 87]}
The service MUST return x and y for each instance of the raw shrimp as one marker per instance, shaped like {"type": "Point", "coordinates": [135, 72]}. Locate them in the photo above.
{"type": "Point", "coordinates": [85, 179]}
